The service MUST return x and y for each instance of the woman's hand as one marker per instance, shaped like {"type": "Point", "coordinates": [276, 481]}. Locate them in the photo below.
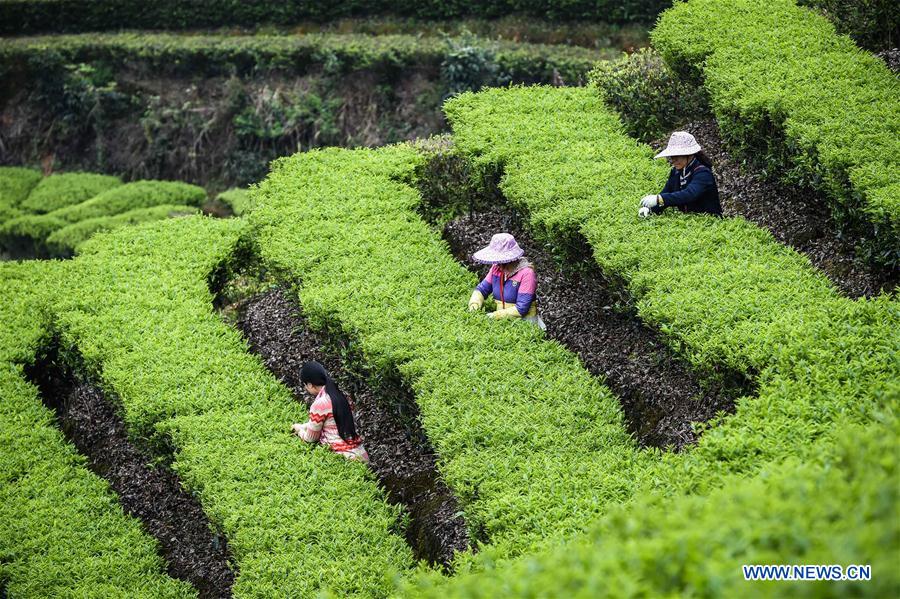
{"type": "Point", "coordinates": [296, 428]}
{"type": "Point", "coordinates": [643, 212]}
{"type": "Point", "coordinates": [649, 201]}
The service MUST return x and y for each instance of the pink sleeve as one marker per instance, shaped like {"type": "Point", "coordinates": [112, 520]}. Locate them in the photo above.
{"type": "Point", "coordinates": [319, 412]}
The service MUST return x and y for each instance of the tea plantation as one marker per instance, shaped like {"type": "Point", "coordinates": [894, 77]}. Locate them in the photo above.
{"type": "Point", "coordinates": [132, 285]}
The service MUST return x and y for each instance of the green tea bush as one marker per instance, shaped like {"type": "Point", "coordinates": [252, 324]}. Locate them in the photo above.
{"type": "Point", "coordinates": [648, 95]}
{"type": "Point", "coordinates": [138, 307]}
{"type": "Point", "coordinates": [15, 185]}
{"type": "Point", "coordinates": [58, 191]}
{"type": "Point", "coordinates": [26, 234]}
{"type": "Point", "coordinates": [222, 55]}
{"type": "Point", "coordinates": [62, 531]}
{"type": "Point", "coordinates": [68, 239]}
{"type": "Point", "coordinates": [533, 446]}
{"type": "Point", "coordinates": [131, 196]}
{"type": "Point", "coordinates": [239, 200]}
{"type": "Point", "coordinates": [722, 291]}
{"type": "Point", "coordinates": [840, 508]}
{"type": "Point", "coordinates": [873, 24]}
{"type": "Point", "coordinates": [23, 16]}
{"type": "Point", "coordinates": [807, 103]}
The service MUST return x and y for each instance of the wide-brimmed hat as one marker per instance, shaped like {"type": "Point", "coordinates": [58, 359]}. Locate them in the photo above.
{"type": "Point", "coordinates": [502, 249]}
{"type": "Point", "coordinates": [681, 143]}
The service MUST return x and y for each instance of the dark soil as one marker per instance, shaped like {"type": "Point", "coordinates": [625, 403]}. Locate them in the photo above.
{"type": "Point", "coordinates": [660, 394]}
{"type": "Point", "coordinates": [153, 495]}
{"type": "Point", "coordinates": [891, 58]}
{"type": "Point", "coordinates": [792, 214]}
{"type": "Point", "coordinates": [387, 419]}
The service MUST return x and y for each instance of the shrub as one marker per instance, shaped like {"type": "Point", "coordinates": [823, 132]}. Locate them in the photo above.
{"type": "Point", "coordinates": [59, 191]}
{"type": "Point", "coordinates": [650, 98]}
{"type": "Point", "coordinates": [23, 16]}
{"type": "Point", "coordinates": [329, 219]}
{"type": "Point", "coordinates": [70, 237]}
{"type": "Point", "coordinates": [15, 185]}
{"type": "Point", "coordinates": [806, 103]}
{"type": "Point", "coordinates": [131, 196]}
{"type": "Point", "coordinates": [723, 291]}
{"type": "Point", "coordinates": [25, 235]}
{"type": "Point", "coordinates": [873, 24]}
{"type": "Point", "coordinates": [138, 308]}
{"type": "Point", "coordinates": [796, 512]}
{"type": "Point", "coordinates": [62, 531]}
{"type": "Point", "coordinates": [239, 200]}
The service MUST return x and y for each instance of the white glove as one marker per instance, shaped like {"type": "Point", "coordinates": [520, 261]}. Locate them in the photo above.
{"type": "Point", "coordinates": [649, 201]}
{"type": "Point", "coordinates": [643, 212]}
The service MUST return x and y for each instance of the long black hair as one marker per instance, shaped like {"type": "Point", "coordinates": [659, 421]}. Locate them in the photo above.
{"type": "Point", "coordinates": [315, 374]}
{"type": "Point", "coordinates": [703, 159]}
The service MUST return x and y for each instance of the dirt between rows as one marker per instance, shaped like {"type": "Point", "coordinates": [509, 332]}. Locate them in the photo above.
{"type": "Point", "coordinates": [387, 418]}
{"type": "Point", "coordinates": [154, 495]}
{"type": "Point", "coordinates": [660, 395]}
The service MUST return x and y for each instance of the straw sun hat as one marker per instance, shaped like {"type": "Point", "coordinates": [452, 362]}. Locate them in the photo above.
{"type": "Point", "coordinates": [681, 143]}
{"type": "Point", "coordinates": [502, 249]}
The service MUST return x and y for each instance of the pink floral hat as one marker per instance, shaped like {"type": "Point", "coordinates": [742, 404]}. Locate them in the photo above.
{"type": "Point", "coordinates": [681, 143]}
{"type": "Point", "coordinates": [502, 249]}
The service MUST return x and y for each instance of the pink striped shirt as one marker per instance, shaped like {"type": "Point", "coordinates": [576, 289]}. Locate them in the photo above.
{"type": "Point", "coordinates": [322, 427]}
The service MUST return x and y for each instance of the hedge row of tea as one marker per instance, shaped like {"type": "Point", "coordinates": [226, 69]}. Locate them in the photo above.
{"type": "Point", "coordinates": [529, 456]}
{"type": "Point", "coordinates": [25, 16]}
{"type": "Point", "coordinates": [722, 290]}
{"type": "Point", "coordinates": [299, 519]}
{"type": "Point", "coordinates": [53, 216]}
{"type": "Point", "coordinates": [839, 508]}
{"type": "Point", "coordinates": [62, 532]}
{"type": "Point", "coordinates": [211, 55]}
{"type": "Point", "coordinates": [791, 93]}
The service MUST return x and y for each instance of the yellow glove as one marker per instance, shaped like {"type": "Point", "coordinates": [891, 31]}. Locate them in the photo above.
{"type": "Point", "coordinates": [509, 311]}
{"type": "Point", "coordinates": [476, 301]}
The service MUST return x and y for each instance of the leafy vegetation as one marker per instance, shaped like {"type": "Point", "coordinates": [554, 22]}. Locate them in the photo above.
{"type": "Point", "coordinates": [790, 93]}
{"type": "Point", "coordinates": [722, 290]}
{"type": "Point", "coordinates": [648, 95]}
{"type": "Point", "coordinates": [67, 189]}
{"type": "Point", "coordinates": [71, 237]}
{"type": "Point", "coordinates": [15, 185]}
{"type": "Point", "coordinates": [18, 16]}
{"type": "Point", "coordinates": [62, 532]}
{"type": "Point", "coordinates": [139, 201]}
{"type": "Point", "coordinates": [333, 221]}
{"type": "Point", "coordinates": [239, 200]}
{"type": "Point", "coordinates": [139, 310]}
{"type": "Point", "coordinates": [873, 24]}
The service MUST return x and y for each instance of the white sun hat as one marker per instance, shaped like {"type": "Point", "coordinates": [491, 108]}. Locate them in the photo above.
{"type": "Point", "coordinates": [681, 143]}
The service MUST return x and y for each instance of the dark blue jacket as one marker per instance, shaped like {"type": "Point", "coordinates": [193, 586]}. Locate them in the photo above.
{"type": "Point", "coordinates": [694, 190]}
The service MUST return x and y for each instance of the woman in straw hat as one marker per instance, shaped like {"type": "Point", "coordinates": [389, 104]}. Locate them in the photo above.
{"type": "Point", "coordinates": [691, 186]}
{"type": "Point", "coordinates": [510, 280]}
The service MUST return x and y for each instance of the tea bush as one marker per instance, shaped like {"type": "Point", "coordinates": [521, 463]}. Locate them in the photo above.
{"type": "Point", "coordinates": [533, 446]}
{"type": "Point", "coordinates": [222, 55]}
{"type": "Point", "coordinates": [873, 24]}
{"type": "Point", "coordinates": [138, 308]}
{"type": "Point", "coordinates": [67, 189]}
{"type": "Point", "coordinates": [722, 291]}
{"type": "Point", "coordinates": [648, 95]}
{"type": "Point", "coordinates": [28, 234]}
{"type": "Point", "coordinates": [805, 102]}
{"type": "Point", "coordinates": [70, 237]}
{"type": "Point", "coordinates": [239, 200]}
{"type": "Point", "coordinates": [62, 531]}
{"type": "Point", "coordinates": [839, 508]}
{"type": "Point", "coordinates": [22, 16]}
{"type": "Point", "coordinates": [15, 185]}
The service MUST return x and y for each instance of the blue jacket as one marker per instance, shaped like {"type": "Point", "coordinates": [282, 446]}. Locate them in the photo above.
{"type": "Point", "coordinates": [691, 190]}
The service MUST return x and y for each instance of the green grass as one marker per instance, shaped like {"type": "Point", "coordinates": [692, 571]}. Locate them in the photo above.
{"type": "Point", "coordinates": [62, 531]}
{"type": "Point", "coordinates": [789, 92]}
